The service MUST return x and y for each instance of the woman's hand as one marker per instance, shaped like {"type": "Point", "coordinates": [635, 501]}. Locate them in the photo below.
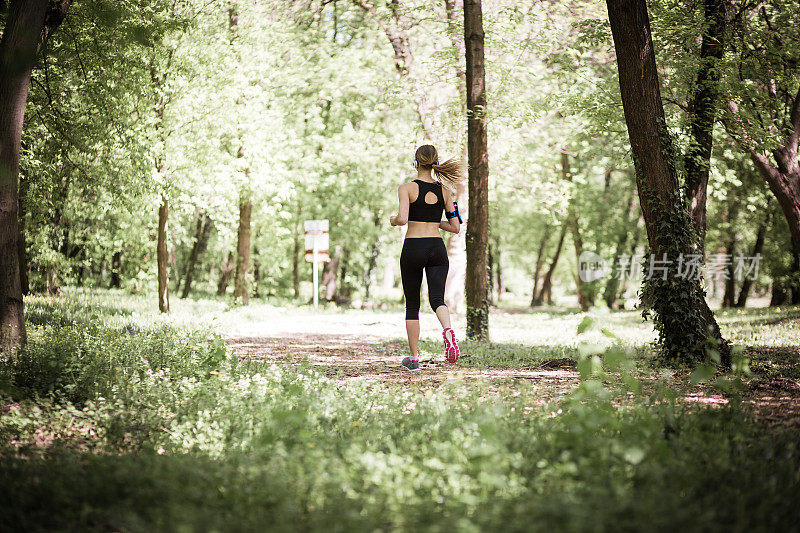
{"type": "Point", "coordinates": [396, 220]}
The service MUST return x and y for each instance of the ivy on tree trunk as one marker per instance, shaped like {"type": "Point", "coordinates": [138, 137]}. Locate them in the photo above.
{"type": "Point", "coordinates": [703, 112]}
{"type": "Point", "coordinates": [686, 325]}
{"type": "Point", "coordinates": [478, 223]}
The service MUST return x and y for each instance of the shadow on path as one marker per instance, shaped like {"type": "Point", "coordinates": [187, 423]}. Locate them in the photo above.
{"type": "Point", "coordinates": [356, 357]}
{"type": "Point", "coordinates": [775, 397]}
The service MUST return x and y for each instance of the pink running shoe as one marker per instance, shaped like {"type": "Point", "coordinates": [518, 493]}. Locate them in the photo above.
{"type": "Point", "coordinates": [451, 349]}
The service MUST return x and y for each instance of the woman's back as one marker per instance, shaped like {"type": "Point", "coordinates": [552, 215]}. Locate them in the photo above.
{"type": "Point", "coordinates": [426, 205]}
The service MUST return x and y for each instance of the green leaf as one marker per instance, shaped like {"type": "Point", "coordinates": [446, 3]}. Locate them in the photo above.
{"type": "Point", "coordinates": [586, 324]}
{"type": "Point", "coordinates": [589, 365]}
{"type": "Point", "coordinates": [632, 383]}
{"type": "Point", "coordinates": [741, 365]}
{"type": "Point", "coordinates": [702, 373]}
{"type": "Point", "coordinates": [608, 333]}
{"type": "Point", "coordinates": [614, 358]}
{"type": "Point", "coordinates": [584, 367]}
{"type": "Point", "coordinates": [594, 387]}
{"type": "Point", "coordinates": [722, 383]}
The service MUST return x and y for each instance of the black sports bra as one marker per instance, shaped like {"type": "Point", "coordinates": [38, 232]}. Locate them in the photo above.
{"type": "Point", "coordinates": [421, 211]}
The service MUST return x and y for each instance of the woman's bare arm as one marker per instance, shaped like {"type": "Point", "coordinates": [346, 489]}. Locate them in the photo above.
{"type": "Point", "coordinates": [452, 224]}
{"type": "Point", "coordinates": [401, 218]}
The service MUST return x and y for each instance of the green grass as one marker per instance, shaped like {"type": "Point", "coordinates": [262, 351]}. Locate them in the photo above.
{"type": "Point", "coordinates": [116, 418]}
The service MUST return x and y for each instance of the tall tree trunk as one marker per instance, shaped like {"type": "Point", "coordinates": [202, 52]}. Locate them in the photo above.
{"type": "Point", "coordinates": [572, 221]}
{"type": "Point", "coordinates": [52, 283]}
{"type": "Point", "coordinates": [24, 282]}
{"type": "Point", "coordinates": [606, 203]}
{"type": "Point", "coordinates": [785, 186]}
{"type": "Point", "coordinates": [372, 263]}
{"type": "Point", "coordinates": [335, 23]}
{"type": "Point", "coordinates": [225, 274]}
{"type": "Point", "coordinates": [454, 292]}
{"type": "Point", "coordinates": [778, 293]}
{"type": "Point", "coordinates": [477, 148]}
{"type": "Point", "coordinates": [795, 288]}
{"type": "Point", "coordinates": [59, 235]}
{"type": "Point", "coordinates": [637, 235]}
{"type": "Point", "coordinates": [545, 293]}
{"type": "Point", "coordinates": [611, 292]}
{"type": "Point", "coordinates": [729, 296]}
{"type": "Point", "coordinates": [162, 257]}
{"type": "Point", "coordinates": [330, 273]}
{"type": "Point", "coordinates": [116, 267]}
{"type": "Point", "coordinates": [256, 269]}
{"type": "Point", "coordinates": [607, 183]}
{"type": "Point", "coordinates": [396, 27]}
{"type": "Point", "coordinates": [296, 264]}
{"type": "Point", "coordinates": [18, 49]}
{"type": "Point", "coordinates": [498, 271]}
{"type": "Point", "coordinates": [456, 242]}
{"type": "Point", "coordinates": [159, 80]}
{"type": "Point", "coordinates": [342, 295]}
{"type": "Point", "coordinates": [703, 113]}
{"type": "Point", "coordinates": [298, 250]}
{"type": "Point", "coordinates": [202, 232]}
{"type": "Point", "coordinates": [758, 247]}
{"type": "Point", "coordinates": [81, 267]}
{"type": "Point", "coordinates": [782, 173]}
{"type": "Point", "coordinates": [490, 267]}
{"type": "Point", "coordinates": [241, 291]}
{"type": "Point", "coordinates": [539, 264]}
{"type": "Point", "coordinates": [667, 220]}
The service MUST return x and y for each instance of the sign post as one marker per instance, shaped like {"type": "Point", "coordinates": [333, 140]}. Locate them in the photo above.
{"type": "Point", "coordinates": [316, 232]}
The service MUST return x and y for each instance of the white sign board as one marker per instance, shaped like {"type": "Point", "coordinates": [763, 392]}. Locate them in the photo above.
{"type": "Point", "coordinates": [316, 226]}
{"type": "Point", "coordinates": [321, 242]}
{"type": "Point", "coordinates": [317, 239]}
{"type": "Point", "coordinates": [316, 249]}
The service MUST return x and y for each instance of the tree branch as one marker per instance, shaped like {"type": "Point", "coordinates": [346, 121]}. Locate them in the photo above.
{"type": "Point", "coordinates": [794, 121]}
{"type": "Point", "coordinates": [673, 101]}
{"type": "Point", "coordinates": [733, 110]}
{"type": "Point", "coordinates": [767, 169]}
{"type": "Point", "coordinates": [56, 12]}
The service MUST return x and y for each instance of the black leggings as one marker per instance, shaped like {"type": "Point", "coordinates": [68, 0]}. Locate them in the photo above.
{"type": "Point", "coordinates": [426, 253]}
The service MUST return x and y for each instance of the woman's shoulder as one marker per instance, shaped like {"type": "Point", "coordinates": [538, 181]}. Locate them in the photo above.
{"type": "Point", "coordinates": [409, 188]}
{"type": "Point", "coordinates": [448, 195]}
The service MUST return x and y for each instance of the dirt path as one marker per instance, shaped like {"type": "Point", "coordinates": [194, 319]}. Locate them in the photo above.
{"type": "Point", "coordinates": [350, 357]}
{"type": "Point", "coordinates": [371, 351]}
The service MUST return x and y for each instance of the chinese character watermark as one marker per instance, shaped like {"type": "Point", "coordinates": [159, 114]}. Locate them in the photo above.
{"type": "Point", "coordinates": [592, 266]}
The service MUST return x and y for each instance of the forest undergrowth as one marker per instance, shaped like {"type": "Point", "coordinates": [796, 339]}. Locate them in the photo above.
{"type": "Point", "coordinates": [115, 418]}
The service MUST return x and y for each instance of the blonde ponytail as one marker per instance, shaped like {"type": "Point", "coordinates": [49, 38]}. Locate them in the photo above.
{"type": "Point", "coordinates": [449, 173]}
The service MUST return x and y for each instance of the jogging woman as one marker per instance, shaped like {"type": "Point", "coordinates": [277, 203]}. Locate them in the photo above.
{"type": "Point", "coordinates": [422, 202]}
